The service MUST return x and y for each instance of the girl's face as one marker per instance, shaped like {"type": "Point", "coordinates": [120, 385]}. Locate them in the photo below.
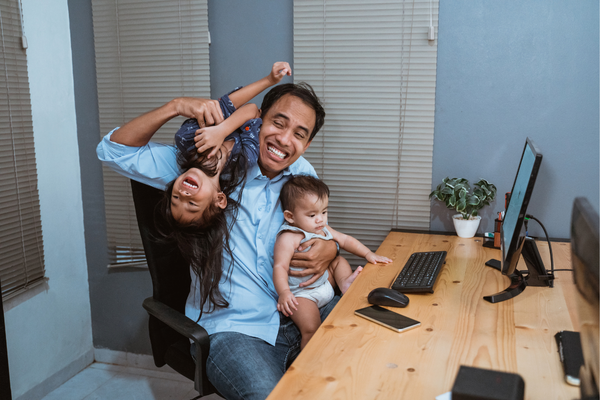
{"type": "Point", "coordinates": [193, 192]}
{"type": "Point", "coordinates": [310, 213]}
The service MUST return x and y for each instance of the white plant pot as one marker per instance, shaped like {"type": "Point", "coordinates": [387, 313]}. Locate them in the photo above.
{"type": "Point", "coordinates": [466, 228]}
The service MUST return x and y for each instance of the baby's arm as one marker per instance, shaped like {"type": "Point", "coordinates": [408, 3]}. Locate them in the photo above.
{"type": "Point", "coordinates": [283, 251]}
{"type": "Point", "coordinates": [247, 93]}
{"type": "Point", "coordinates": [213, 136]}
{"type": "Point", "coordinates": [355, 247]}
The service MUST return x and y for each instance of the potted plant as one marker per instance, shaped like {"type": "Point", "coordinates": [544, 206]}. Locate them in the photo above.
{"type": "Point", "coordinates": [456, 194]}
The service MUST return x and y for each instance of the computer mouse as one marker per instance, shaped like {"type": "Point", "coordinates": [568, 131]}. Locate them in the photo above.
{"type": "Point", "coordinates": [387, 297]}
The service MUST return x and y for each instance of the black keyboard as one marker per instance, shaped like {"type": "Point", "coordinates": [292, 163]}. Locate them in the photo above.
{"type": "Point", "coordinates": [420, 272]}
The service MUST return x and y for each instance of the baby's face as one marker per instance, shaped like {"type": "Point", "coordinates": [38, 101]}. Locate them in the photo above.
{"type": "Point", "coordinates": [310, 213]}
{"type": "Point", "coordinates": [193, 192]}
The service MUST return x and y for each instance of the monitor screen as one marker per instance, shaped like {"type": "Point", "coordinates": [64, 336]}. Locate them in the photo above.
{"type": "Point", "coordinates": [511, 237]}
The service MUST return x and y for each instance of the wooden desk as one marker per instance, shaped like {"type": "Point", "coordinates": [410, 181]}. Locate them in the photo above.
{"type": "Point", "coordinates": [352, 358]}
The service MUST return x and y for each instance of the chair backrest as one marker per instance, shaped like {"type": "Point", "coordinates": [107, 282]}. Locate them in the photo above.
{"type": "Point", "coordinates": [585, 255]}
{"type": "Point", "coordinates": [169, 271]}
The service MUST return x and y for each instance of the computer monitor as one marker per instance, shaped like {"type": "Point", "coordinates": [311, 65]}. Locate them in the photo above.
{"type": "Point", "coordinates": [585, 249]}
{"type": "Point", "coordinates": [513, 240]}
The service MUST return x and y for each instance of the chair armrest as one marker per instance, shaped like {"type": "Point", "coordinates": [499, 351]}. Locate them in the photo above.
{"type": "Point", "coordinates": [190, 329]}
{"type": "Point", "coordinates": [177, 321]}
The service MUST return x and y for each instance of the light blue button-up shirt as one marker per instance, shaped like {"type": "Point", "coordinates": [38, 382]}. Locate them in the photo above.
{"type": "Point", "coordinates": [249, 288]}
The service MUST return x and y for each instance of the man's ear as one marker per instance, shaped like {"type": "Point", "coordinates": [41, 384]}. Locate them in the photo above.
{"type": "Point", "coordinates": [289, 217]}
{"type": "Point", "coordinates": [221, 200]}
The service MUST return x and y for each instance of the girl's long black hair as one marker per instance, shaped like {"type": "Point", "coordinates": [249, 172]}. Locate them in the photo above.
{"type": "Point", "coordinates": [203, 242]}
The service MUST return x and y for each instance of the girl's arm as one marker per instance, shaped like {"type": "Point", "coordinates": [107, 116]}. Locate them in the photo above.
{"type": "Point", "coordinates": [139, 131]}
{"type": "Point", "coordinates": [284, 248]}
{"type": "Point", "coordinates": [355, 247]}
{"type": "Point", "coordinates": [247, 93]}
{"type": "Point", "coordinates": [213, 136]}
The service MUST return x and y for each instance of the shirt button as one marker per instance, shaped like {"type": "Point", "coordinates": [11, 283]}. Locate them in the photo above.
{"type": "Point", "coordinates": [259, 208]}
{"type": "Point", "coordinates": [260, 236]}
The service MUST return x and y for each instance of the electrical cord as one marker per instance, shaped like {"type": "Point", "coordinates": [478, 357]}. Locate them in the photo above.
{"type": "Point", "coordinates": [529, 216]}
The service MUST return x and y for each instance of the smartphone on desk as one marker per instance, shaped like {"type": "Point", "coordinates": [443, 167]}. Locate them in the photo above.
{"type": "Point", "coordinates": [387, 318]}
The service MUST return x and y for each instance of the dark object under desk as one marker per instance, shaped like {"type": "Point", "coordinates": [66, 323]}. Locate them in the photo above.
{"type": "Point", "coordinates": [5, 392]}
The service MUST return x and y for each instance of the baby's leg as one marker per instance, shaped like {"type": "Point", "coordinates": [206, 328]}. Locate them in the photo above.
{"type": "Point", "coordinates": [342, 272]}
{"type": "Point", "coordinates": [306, 318]}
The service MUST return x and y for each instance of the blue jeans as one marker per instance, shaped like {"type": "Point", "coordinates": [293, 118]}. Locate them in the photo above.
{"type": "Point", "coordinates": [244, 367]}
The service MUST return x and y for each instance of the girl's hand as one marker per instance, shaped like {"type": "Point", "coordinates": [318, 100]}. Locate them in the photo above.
{"type": "Point", "coordinates": [374, 258]}
{"type": "Point", "coordinates": [210, 137]}
{"type": "Point", "coordinates": [279, 70]}
{"type": "Point", "coordinates": [286, 303]}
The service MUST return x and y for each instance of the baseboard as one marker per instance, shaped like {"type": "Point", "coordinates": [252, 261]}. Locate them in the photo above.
{"type": "Point", "coordinates": [42, 389]}
{"type": "Point", "coordinates": [126, 359]}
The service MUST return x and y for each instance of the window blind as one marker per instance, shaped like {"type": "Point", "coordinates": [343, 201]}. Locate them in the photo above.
{"type": "Point", "coordinates": [147, 53]}
{"type": "Point", "coordinates": [374, 68]}
{"type": "Point", "coordinates": [21, 244]}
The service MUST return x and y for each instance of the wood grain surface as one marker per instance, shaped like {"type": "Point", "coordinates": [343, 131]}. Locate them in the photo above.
{"type": "Point", "coordinates": [352, 358]}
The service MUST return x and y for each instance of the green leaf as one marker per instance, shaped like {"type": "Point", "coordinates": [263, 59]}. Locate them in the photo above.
{"type": "Point", "coordinates": [473, 200]}
{"type": "Point", "coordinates": [451, 201]}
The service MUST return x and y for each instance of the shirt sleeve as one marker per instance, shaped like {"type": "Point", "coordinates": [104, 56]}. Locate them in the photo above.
{"type": "Point", "coordinates": [226, 104]}
{"type": "Point", "coordinates": [154, 164]}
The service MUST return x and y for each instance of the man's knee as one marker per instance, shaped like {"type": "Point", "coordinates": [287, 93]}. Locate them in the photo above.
{"type": "Point", "coordinates": [241, 366]}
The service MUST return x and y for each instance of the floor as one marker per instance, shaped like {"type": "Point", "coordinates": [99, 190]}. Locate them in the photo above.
{"type": "Point", "coordinates": [106, 381]}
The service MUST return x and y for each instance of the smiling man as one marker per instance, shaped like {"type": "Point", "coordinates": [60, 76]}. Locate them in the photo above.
{"type": "Point", "coordinates": [251, 344]}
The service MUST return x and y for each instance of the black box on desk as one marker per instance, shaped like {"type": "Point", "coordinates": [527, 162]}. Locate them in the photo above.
{"type": "Point", "coordinates": [485, 384]}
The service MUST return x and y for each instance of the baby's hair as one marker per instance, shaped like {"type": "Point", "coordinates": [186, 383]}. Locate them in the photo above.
{"type": "Point", "coordinates": [299, 186]}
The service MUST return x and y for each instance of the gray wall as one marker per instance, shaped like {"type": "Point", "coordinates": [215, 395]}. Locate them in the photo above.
{"type": "Point", "coordinates": [118, 320]}
{"type": "Point", "coordinates": [506, 70]}
{"type": "Point", "coordinates": [247, 37]}
{"type": "Point", "coordinates": [512, 69]}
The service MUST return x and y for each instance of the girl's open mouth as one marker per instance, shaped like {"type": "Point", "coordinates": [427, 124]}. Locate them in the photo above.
{"type": "Point", "coordinates": [190, 183]}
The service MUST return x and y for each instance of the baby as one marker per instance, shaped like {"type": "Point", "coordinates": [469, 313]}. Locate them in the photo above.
{"type": "Point", "coordinates": [304, 200]}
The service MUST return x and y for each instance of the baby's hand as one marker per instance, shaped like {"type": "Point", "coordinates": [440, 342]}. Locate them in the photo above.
{"type": "Point", "coordinates": [210, 137]}
{"type": "Point", "coordinates": [374, 258]}
{"type": "Point", "coordinates": [287, 301]}
{"type": "Point", "coordinates": [279, 70]}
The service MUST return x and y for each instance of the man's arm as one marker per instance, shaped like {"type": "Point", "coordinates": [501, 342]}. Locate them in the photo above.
{"type": "Point", "coordinates": [139, 131]}
{"type": "Point", "coordinates": [314, 261]}
{"type": "Point", "coordinates": [247, 93]}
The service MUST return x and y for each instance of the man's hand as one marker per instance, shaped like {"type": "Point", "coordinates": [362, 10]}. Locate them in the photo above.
{"type": "Point", "coordinates": [206, 112]}
{"type": "Point", "coordinates": [286, 303]}
{"type": "Point", "coordinates": [314, 261]}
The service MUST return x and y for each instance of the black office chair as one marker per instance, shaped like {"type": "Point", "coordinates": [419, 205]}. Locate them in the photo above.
{"type": "Point", "coordinates": [170, 330]}
{"type": "Point", "coordinates": [585, 256]}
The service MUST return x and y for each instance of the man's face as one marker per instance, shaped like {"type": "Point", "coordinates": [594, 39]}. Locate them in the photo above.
{"type": "Point", "coordinates": [284, 135]}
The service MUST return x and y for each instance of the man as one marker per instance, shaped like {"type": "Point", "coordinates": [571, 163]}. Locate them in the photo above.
{"type": "Point", "coordinates": [250, 342]}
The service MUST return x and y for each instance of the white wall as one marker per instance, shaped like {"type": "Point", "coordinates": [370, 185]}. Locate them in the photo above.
{"type": "Point", "coordinates": [49, 334]}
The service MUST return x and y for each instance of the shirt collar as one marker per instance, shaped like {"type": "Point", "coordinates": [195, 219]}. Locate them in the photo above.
{"type": "Point", "coordinates": [255, 172]}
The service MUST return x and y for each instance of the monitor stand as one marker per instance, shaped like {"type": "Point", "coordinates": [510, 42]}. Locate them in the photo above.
{"type": "Point", "coordinates": [536, 276]}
